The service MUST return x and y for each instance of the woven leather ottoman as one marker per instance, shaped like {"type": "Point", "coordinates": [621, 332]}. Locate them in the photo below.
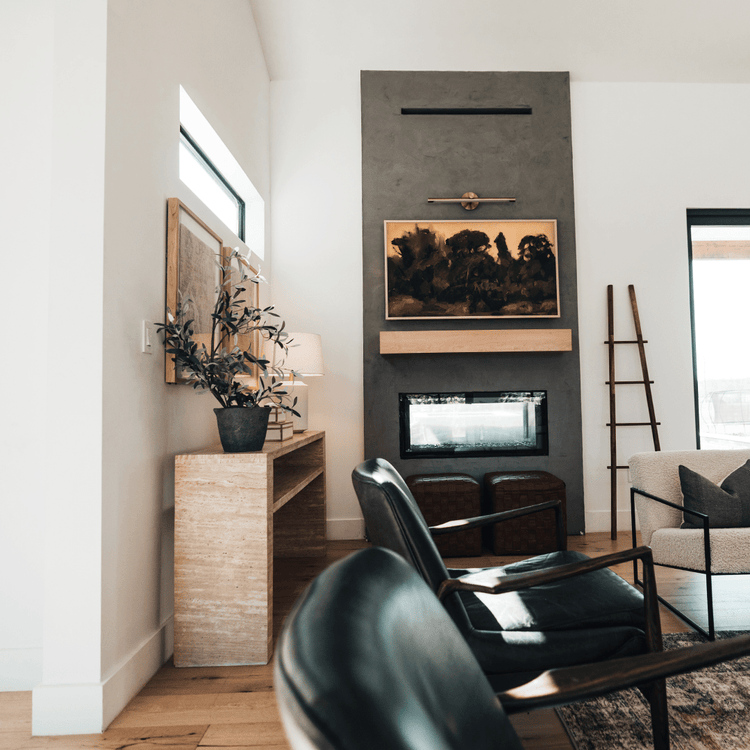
{"type": "Point", "coordinates": [447, 497]}
{"type": "Point", "coordinates": [528, 535]}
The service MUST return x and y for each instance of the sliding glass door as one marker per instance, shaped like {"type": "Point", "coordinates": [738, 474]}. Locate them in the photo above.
{"type": "Point", "coordinates": [719, 243]}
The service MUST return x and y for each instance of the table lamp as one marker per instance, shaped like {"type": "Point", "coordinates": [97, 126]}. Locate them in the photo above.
{"type": "Point", "coordinates": [305, 358]}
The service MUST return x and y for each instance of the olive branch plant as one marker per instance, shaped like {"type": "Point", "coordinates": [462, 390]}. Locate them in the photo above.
{"type": "Point", "coordinates": [221, 367]}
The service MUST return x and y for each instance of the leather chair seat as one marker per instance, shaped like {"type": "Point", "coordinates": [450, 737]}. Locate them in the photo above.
{"type": "Point", "coordinates": [592, 617]}
{"type": "Point", "coordinates": [574, 604]}
{"type": "Point", "coordinates": [560, 623]}
{"type": "Point", "coordinates": [368, 659]}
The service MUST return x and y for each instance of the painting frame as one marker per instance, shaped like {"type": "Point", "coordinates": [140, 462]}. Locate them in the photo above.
{"type": "Point", "coordinates": [454, 269]}
{"type": "Point", "coordinates": [192, 251]}
{"type": "Point", "coordinates": [252, 341]}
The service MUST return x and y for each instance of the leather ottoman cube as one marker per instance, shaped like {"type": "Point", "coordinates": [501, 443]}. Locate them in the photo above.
{"type": "Point", "coordinates": [447, 497]}
{"type": "Point", "coordinates": [528, 535]}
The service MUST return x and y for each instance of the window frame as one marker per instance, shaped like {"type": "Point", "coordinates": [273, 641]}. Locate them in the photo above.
{"type": "Point", "coordinates": [213, 169]}
{"type": "Point", "coordinates": [717, 217]}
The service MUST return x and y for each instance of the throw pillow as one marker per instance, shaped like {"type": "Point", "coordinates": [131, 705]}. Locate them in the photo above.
{"type": "Point", "coordinates": [727, 505]}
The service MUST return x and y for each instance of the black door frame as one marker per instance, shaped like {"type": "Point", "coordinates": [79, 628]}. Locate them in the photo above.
{"type": "Point", "coordinates": [704, 217]}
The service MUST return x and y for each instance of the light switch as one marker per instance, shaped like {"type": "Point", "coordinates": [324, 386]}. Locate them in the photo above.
{"type": "Point", "coordinates": [148, 337]}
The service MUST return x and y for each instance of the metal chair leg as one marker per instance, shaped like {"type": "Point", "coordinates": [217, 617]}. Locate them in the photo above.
{"type": "Point", "coordinates": [709, 634]}
{"type": "Point", "coordinates": [710, 600]}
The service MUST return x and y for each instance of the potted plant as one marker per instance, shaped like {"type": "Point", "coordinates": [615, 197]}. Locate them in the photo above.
{"type": "Point", "coordinates": [223, 368]}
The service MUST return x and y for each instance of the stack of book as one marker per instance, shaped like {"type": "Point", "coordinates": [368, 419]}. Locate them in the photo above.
{"type": "Point", "coordinates": [279, 427]}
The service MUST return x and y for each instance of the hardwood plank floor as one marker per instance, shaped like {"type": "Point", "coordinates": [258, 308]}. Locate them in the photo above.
{"type": "Point", "coordinates": [234, 707]}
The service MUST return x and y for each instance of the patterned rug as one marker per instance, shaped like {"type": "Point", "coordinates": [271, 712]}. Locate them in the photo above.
{"type": "Point", "coordinates": [708, 710]}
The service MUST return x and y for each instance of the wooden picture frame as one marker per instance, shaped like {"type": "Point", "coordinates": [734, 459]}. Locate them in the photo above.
{"type": "Point", "coordinates": [251, 342]}
{"type": "Point", "coordinates": [458, 270]}
{"type": "Point", "coordinates": [193, 250]}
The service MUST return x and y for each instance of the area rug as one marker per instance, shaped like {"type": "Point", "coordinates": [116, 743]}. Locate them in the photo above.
{"type": "Point", "coordinates": [708, 710]}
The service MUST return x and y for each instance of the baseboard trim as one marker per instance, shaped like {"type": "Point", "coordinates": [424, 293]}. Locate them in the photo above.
{"type": "Point", "coordinates": [127, 679]}
{"type": "Point", "coordinates": [345, 528]}
{"type": "Point", "coordinates": [66, 709]}
{"type": "Point", "coordinates": [600, 520]}
{"type": "Point", "coordinates": [91, 708]}
{"type": "Point", "coordinates": [20, 668]}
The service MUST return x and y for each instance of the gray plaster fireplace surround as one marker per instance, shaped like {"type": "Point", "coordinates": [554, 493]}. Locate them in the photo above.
{"type": "Point", "coordinates": [443, 134]}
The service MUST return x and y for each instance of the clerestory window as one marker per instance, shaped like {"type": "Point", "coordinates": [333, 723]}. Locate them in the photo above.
{"type": "Point", "coordinates": [210, 170]}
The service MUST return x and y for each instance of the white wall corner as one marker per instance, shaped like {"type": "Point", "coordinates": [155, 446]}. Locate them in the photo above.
{"type": "Point", "coordinates": [345, 528]}
{"type": "Point", "coordinates": [133, 673]}
{"type": "Point", "coordinates": [90, 709]}
{"type": "Point", "coordinates": [67, 709]}
{"type": "Point", "coordinates": [20, 668]}
{"type": "Point", "coordinates": [599, 520]}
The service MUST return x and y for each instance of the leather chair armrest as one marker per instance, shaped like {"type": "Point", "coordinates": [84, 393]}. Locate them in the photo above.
{"type": "Point", "coordinates": [462, 524]}
{"type": "Point", "coordinates": [558, 687]}
{"type": "Point", "coordinates": [485, 582]}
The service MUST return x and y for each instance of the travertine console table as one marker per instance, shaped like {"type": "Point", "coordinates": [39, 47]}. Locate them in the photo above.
{"type": "Point", "coordinates": [233, 513]}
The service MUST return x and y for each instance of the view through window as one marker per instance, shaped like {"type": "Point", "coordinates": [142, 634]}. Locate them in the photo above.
{"type": "Point", "coordinates": [210, 170]}
{"type": "Point", "coordinates": [198, 173]}
{"type": "Point", "coordinates": [720, 280]}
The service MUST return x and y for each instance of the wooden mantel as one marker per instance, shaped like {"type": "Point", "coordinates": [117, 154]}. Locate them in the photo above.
{"type": "Point", "coordinates": [466, 342]}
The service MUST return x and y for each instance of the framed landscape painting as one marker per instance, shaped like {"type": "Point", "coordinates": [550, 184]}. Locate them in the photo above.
{"type": "Point", "coordinates": [471, 269]}
{"type": "Point", "coordinates": [193, 275]}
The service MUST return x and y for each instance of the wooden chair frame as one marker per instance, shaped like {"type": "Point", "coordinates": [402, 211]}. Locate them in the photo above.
{"type": "Point", "coordinates": [464, 524]}
{"type": "Point", "coordinates": [314, 709]}
{"type": "Point", "coordinates": [533, 695]}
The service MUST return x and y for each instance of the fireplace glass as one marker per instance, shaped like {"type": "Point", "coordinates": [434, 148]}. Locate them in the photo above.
{"type": "Point", "coordinates": [500, 423]}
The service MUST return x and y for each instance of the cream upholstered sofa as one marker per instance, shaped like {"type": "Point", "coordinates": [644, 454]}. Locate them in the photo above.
{"type": "Point", "coordinates": [656, 499]}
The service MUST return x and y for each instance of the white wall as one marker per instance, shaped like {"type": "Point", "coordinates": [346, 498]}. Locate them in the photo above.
{"type": "Point", "coordinates": [316, 215]}
{"type": "Point", "coordinates": [216, 57]}
{"type": "Point", "coordinates": [71, 543]}
{"type": "Point", "coordinates": [26, 34]}
{"type": "Point", "coordinates": [643, 154]}
{"type": "Point", "coordinates": [92, 597]}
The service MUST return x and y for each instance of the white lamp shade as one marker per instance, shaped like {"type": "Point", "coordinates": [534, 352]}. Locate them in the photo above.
{"type": "Point", "coordinates": [305, 354]}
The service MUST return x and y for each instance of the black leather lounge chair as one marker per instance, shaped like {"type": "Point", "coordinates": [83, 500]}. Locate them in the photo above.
{"type": "Point", "coordinates": [368, 659]}
{"type": "Point", "coordinates": [524, 618]}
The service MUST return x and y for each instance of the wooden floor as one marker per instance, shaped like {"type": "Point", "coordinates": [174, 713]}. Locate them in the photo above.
{"type": "Point", "coordinates": [234, 707]}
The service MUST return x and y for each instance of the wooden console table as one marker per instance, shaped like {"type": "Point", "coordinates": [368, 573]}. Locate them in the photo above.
{"type": "Point", "coordinates": [233, 513]}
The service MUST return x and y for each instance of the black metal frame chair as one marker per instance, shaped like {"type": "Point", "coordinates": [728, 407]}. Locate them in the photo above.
{"type": "Point", "coordinates": [656, 499]}
{"type": "Point", "coordinates": [710, 634]}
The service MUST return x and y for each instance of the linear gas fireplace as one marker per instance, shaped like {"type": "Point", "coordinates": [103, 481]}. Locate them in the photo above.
{"type": "Point", "coordinates": [498, 423]}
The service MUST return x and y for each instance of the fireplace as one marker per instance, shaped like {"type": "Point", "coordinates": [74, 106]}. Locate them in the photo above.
{"type": "Point", "coordinates": [498, 423]}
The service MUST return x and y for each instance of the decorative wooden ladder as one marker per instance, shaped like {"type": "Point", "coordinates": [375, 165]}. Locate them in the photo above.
{"type": "Point", "coordinates": [613, 424]}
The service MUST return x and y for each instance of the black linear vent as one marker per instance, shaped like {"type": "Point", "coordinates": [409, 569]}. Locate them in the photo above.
{"type": "Point", "coordinates": [520, 110]}
{"type": "Point", "coordinates": [500, 423]}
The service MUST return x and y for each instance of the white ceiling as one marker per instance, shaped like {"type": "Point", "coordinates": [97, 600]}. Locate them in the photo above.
{"type": "Point", "coordinates": [596, 40]}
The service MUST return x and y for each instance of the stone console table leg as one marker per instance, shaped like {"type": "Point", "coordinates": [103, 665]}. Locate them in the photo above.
{"type": "Point", "coordinates": [230, 511]}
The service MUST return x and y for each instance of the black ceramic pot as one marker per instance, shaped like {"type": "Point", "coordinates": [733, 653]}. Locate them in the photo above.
{"type": "Point", "coordinates": [242, 428]}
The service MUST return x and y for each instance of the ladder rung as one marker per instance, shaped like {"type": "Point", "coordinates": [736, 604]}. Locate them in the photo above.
{"type": "Point", "coordinates": [628, 382]}
{"type": "Point", "coordinates": [612, 382]}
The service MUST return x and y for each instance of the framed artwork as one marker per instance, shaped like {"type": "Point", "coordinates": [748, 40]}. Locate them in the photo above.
{"type": "Point", "coordinates": [193, 275]}
{"type": "Point", "coordinates": [471, 269]}
{"type": "Point", "coordinates": [252, 341]}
